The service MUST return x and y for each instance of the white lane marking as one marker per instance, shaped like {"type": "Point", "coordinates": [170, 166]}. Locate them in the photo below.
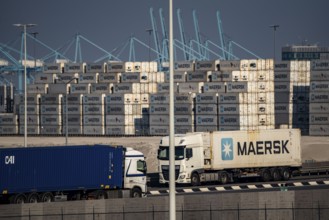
{"type": "Point", "coordinates": [204, 189]}
{"type": "Point", "coordinates": [188, 190]}
{"type": "Point", "coordinates": [313, 183]}
{"type": "Point", "coordinates": [252, 186]}
{"type": "Point", "coordinates": [267, 186]}
{"type": "Point", "coordinates": [236, 187]}
{"type": "Point", "coordinates": [220, 188]}
{"type": "Point", "coordinates": [298, 184]}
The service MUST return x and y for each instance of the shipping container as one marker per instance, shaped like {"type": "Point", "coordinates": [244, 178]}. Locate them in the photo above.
{"type": "Point", "coordinates": [88, 78]}
{"type": "Point", "coordinates": [80, 88]}
{"type": "Point", "coordinates": [53, 99]}
{"type": "Point", "coordinates": [31, 129]}
{"type": "Point", "coordinates": [109, 77]}
{"type": "Point", "coordinates": [94, 99]}
{"type": "Point", "coordinates": [50, 109]}
{"type": "Point", "coordinates": [101, 88]}
{"type": "Point", "coordinates": [192, 87]}
{"type": "Point", "coordinates": [93, 130]}
{"type": "Point", "coordinates": [207, 65]}
{"type": "Point", "coordinates": [8, 129]}
{"type": "Point", "coordinates": [198, 76]}
{"type": "Point", "coordinates": [65, 78]}
{"type": "Point", "coordinates": [8, 119]}
{"type": "Point", "coordinates": [214, 87]}
{"type": "Point", "coordinates": [178, 77]}
{"type": "Point", "coordinates": [53, 68]}
{"type": "Point", "coordinates": [184, 66]}
{"type": "Point", "coordinates": [115, 67]}
{"type": "Point", "coordinates": [95, 68]}
{"type": "Point", "coordinates": [46, 120]}
{"type": "Point", "coordinates": [51, 129]}
{"type": "Point", "coordinates": [74, 67]}
{"type": "Point", "coordinates": [38, 88]}
{"type": "Point", "coordinates": [93, 120]}
{"type": "Point", "coordinates": [206, 98]}
{"type": "Point", "coordinates": [58, 89]}
{"type": "Point", "coordinates": [164, 88]}
{"type": "Point", "coordinates": [222, 76]}
{"type": "Point", "coordinates": [44, 78]}
{"type": "Point", "coordinates": [126, 88]}
{"type": "Point", "coordinates": [229, 65]}
{"type": "Point", "coordinates": [320, 65]}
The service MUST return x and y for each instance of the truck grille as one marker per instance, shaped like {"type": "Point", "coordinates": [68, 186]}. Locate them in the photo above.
{"type": "Point", "coordinates": [165, 171]}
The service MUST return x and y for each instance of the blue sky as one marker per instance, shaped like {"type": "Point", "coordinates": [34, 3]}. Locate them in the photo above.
{"type": "Point", "coordinates": [109, 24]}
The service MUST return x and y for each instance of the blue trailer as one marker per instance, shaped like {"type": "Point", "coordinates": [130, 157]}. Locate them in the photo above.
{"type": "Point", "coordinates": [41, 174]}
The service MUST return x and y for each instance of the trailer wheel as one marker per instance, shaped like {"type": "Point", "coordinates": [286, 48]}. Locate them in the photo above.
{"type": "Point", "coordinates": [286, 174]}
{"type": "Point", "coordinates": [266, 175]}
{"type": "Point", "coordinates": [136, 193]}
{"type": "Point", "coordinates": [47, 197]}
{"type": "Point", "coordinates": [101, 194]}
{"type": "Point", "coordinates": [18, 199]}
{"type": "Point", "coordinates": [195, 179]}
{"type": "Point", "coordinates": [223, 177]}
{"type": "Point", "coordinates": [275, 174]}
{"type": "Point", "coordinates": [33, 198]}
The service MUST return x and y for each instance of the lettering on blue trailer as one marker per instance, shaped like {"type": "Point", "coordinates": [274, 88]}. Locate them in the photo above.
{"type": "Point", "coordinates": [10, 160]}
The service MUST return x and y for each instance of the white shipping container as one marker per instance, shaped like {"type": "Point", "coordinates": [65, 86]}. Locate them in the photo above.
{"type": "Point", "coordinates": [93, 130]}
{"type": "Point", "coordinates": [207, 98]}
{"type": "Point", "coordinates": [319, 130]}
{"type": "Point", "coordinates": [319, 86]}
{"type": "Point", "coordinates": [50, 109]}
{"type": "Point", "coordinates": [74, 67]}
{"type": "Point", "coordinates": [137, 66]}
{"type": "Point", "coordinates": [319, 97]}
{"type": "Point", "coordinates": [53, 67]}
{"type": "Point", "coordinates": [51, 129]}
{"type": "Point", "coordinates": [73, 129]}
{"type": "Point", "coordinates": [44, 78]}
{"type": "Point", "coordinates": [145, 67]}
{"type": "Point", "coordinates": [220, 76]}
{"type": "Point", "coordinates": [193, 87]}
{"type": "Point", "coordinates": [115, 67]}
{"type": "Point", "coordinates": [73, 120]}
{"type": "Point", "coordinates": [207, 65]}
{"type": "Point", "coordinates": [30, 109]}
{"type": "Point", "coordinates": [229, 120]}
{"type": "Point", "coordinates": [319, 107]}
{"type": "Point", "coordinates": [95, 67]}
{"type": "Point", "coordinates": [206, 109]}
{"type": "Point", "coordinates": [153, 66]}
{"type": "Point", "coordinates": [80, 88]}
{"type": "Point", "coordinates": [178, 77]}
{"type": "Point", "coordinates": [159, 130]}
{"type": "Point", "coordinates": [32, 99]}
{"type": "Point", "coordinates": [74, 99]}
{"type": "Point", "coordinates": [282, 66]}
{"type": "Point", "coordinates": [319, 75]}
{"type": "Point", "coordinates": [8, 119]}
{"type": "Point", "coordinates": [9, 129]}
{"type": "Point", "coordinates": [134, 77]}
{"type": "Point", "coordinates": [197, 76]}
{"type": "Point", "coordinates": [164, 88]}
{"type": "Point", "coordinates": [58, 89]}
{"type": "Point", "coordinates": [206, 128]}
{"type": "Point", "coordinates": [37, 88]}
{"type": "Point", "coordinates": [93, 120]}
{"type": "Point", "coordinates": [88, 78]}
{"type": "Point", "coordinates": [54, 99]}
{"type": "Point", "coordinates": [129, 67]}
{"type": "Point", "coordinates": [145, 98]}
{"type": "Point", "coordinates": [31, 119]}
{"type": "Point", "coordinates": [126, 88]}
{"type": "Point", "coordinates": [237, 87]}
{"type": "Point", "coordinates": [231, 98]}
{"type": "Point", "coordinates": [101, 88]}
{"type": "Point", "coordinates": [283, 87]}
{"type": "Point", "coordinates": [320, 65]}
{"type": "Point", "coordinates": [94, 99]}
{"type": "Point", "coordinates": [50, 120]}
{"type": "Point", "coordinates": [31, 129]}
{"type": "Point", "coordinates": [120, 109]}
{"type": "Point", "coordinates": [65, 78]}
{"type": "Point", "coordinates": [214, 87]}
{"type": "Point", "coordinates": [93, 109]}
{"type": "Point", "coordinates": [229, 65]}
{"type": "Point", "coordinates": [184, 66]}
{"type": "Point", "coordinates": [120, 99]}
{"type": "Point", "coordinates": [211, 120]}
{"type": "Point", "coordinates": [319, 118]}
{"type": "Point", "coordinates": [109, 77]}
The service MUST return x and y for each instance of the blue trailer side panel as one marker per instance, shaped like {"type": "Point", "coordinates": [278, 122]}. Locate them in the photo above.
{"type": "Point", "coordinates": [60, 168]}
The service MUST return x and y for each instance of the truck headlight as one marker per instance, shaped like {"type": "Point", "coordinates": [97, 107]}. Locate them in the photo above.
{"type": "Point", "coordinates": [182, 176]}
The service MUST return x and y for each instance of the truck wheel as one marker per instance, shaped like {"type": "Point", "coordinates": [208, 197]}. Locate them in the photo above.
{"type": "Point", "coordinates": [286, 174]}
{"type": "Point", "coordinates": [47, 197]}
{"type": "Point", "coordinates": [195, 179]}
{"type": "Point", "coordinates": [33, 198]}
{"type": "Point", "coordinates": [223, 177]}
{"type": "Point", "coordinates": [266, 175]}
{"type": "Point", "coordinates": [136, 193]}
{"type": "Point", "coordinates": [18, 199]}
{"type": "Point", "coordinates": [275, 174]}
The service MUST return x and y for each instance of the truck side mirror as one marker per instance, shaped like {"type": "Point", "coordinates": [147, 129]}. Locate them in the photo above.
{"type": "Point", "coordinates": [189, 153]}
{"type": "Point", "coordinates": [158, 153]}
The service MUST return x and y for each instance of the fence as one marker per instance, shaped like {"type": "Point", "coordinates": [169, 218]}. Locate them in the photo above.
{"type": "Point", "coordinates": [263, 213]}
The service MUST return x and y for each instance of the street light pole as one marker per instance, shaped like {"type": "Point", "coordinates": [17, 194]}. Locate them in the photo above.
{"type": "Point", "coordinates": [25, 93]}
{"type": "Point", "coordinates": [275, 26]}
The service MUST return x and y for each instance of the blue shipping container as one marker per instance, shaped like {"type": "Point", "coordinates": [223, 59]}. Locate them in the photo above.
{"type": "Point", "coordinates": [64, 168]}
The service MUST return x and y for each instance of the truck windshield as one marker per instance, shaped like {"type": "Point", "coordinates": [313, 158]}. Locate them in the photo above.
{"type": "Point", "coordinates": [163, 153]}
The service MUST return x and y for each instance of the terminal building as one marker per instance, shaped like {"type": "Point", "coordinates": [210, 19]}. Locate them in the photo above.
{"type": "Point", "coordinates": [305, 52]}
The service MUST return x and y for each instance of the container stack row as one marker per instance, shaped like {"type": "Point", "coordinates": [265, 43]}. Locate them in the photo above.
{"type": "Point", "coordinates": [319, 99]}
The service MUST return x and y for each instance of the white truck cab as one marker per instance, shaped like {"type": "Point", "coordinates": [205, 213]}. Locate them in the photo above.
{"type": "Point", "coordinates": [135, 172]}
{"type": "Point", "coordinates": [188, 157]}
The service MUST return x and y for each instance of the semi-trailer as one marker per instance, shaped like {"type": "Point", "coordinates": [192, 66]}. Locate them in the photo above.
{"type": "Point", "coordinates": [226, 156]}
{"type": "Point", "coordinates": [52, 173]}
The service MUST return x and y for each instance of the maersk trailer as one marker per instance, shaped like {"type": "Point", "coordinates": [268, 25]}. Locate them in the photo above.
{"type": "Point", "coordinates": [45, 174]}
{"type": "Point", "coordinates": [225, 156]}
